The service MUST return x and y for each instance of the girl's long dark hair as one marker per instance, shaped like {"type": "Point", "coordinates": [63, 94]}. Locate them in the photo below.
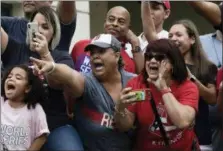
{"type": "Point", "coordinates": [36, 93]}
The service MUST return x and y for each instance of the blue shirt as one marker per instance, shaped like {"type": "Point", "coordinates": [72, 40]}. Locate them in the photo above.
{"type": "Point", "coordinates": [213, 48]}
{"type": "Point", "coordinates": [16, 28]}
{"type": "Point", "coordinates": [94, 117]}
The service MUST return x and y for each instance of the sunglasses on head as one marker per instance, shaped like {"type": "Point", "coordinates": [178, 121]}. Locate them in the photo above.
{"type": "Point", "coordinates": [158, 57]}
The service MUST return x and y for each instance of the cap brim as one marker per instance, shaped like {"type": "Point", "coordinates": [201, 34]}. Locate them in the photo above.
{"type": "Point", "coordinates": [100, 45]}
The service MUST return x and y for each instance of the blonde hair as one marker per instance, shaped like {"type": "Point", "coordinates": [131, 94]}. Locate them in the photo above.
{"type": "Point", "coordinates": [51, 17]}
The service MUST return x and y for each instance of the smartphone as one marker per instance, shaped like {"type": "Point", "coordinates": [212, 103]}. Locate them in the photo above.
{"type": "Point", "coordinates": [141, 94]}
{"type": "Point", "coordinates": [32, 29]}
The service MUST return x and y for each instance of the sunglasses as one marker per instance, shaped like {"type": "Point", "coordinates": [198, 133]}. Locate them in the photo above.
{"type": "Point", "coordinates": [158, 57]}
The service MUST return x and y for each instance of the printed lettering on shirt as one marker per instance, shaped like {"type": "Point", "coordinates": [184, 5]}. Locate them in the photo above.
{"type": "Point", "coordinates": [86, 67]}
{"type": "Point", "coordinates": [14, 136]}
{"type": "Point", "coordinates": [107, 121]}
{"type": "Point", "coordinates": [83, 64]}
{"type": "Point", "coordinates": [168, 126]}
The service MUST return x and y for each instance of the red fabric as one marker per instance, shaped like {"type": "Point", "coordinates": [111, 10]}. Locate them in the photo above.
{"type": "Point", "coordinates": [78, 50]}
{"type": "Point", "coordinates": [219, 77]}
{"type": "Point", "coordinates": [148, 136]}
{"type": "Point", "coordinates": [129, 63]}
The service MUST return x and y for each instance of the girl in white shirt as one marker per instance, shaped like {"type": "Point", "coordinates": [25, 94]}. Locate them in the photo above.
{"type": "Point", "coordinates": [23, 120]}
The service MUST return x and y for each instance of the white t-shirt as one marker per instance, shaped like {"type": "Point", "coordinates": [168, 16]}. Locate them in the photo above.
{"type": "Point", "coordinates": [20, 127]}
{"type": "Point", "coordinates": [144, 43]}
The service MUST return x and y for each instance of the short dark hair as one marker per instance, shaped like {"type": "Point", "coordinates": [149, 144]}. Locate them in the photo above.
{"type": "Point", "coordinates": [168, 47]}
{"type": "Point", "coordinates": [36, 94]}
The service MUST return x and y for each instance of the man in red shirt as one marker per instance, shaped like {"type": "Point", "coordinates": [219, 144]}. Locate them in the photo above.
{"type": "Point", "coordinates": [117, 23]}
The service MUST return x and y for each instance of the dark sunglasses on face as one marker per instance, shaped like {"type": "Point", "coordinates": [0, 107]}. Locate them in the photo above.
{"type": "Point", "coordinates": [158, 57]}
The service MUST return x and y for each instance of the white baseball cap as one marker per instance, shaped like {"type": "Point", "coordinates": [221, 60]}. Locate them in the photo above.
{"type": "Point", "coordinates": [104, 41]}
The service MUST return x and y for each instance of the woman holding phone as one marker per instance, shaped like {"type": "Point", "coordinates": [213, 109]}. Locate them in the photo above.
{"type": "Point", "coordinates": [43, 35]}
{"type": "Point", "coordinates": [165, 118]}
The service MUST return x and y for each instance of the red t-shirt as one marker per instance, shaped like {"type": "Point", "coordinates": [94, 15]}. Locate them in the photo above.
{"type": "Point", "coordinates": [148, 134]}
{"type": "Point", "coordinates": [82, 59]}
{"type": "Point", "coordinates": [219, 77]}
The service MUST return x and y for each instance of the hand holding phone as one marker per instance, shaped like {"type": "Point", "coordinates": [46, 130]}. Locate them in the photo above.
{"type": "Point", "coordinates": [32, 29]}
{"type": "Point", "coordinates": [141, 94]}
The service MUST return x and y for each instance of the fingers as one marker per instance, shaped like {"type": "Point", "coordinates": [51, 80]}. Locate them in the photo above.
{"type": "Point", "coordinates": [126, 90]}
{"type": "Point", "coordinates": [39, 36]}
{"type": "Point", "coordinates": [128, 97]}
{"type": "Point", "coordinates": [38, 62]}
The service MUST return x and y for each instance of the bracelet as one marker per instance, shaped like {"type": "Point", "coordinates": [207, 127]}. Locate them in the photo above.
{"type": "Point", "coordinates": [49, 72]}
{"type": "Point", "coordinates": [122, 113]}
{"type": "Point", "coordinates": [164, 91]}
{"type": "Point", "coordinates": [44, 56]}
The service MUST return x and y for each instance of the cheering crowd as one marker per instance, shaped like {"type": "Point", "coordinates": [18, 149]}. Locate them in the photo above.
{"type": "Point", "coordinates": [158, 91]}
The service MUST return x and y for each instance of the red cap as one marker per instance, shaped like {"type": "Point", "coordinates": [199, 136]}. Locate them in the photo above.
{"type": "Point", "coordinates": [165, 3]}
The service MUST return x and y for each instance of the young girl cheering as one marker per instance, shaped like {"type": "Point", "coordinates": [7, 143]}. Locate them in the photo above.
{"type": "Point", "coordinates": [23, 121]}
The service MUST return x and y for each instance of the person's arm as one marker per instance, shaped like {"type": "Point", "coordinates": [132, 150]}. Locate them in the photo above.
{"type": "Point", "coordinates": [208, 10]}
{"type": "Point", "coordinates": [4, 40]}
{"type": "Point", "coordinates": [180, 111]}
{"type": "Point", "coordinates": [147, 22]}
{"type": "Point", "coordinates": [38, 143]}
{"type": "Point", "coordinates": [124, 118]}
{"type": "Point", "coordinates": [208, 92]}
{"type": "Point", "coordinates": [66, 11]}
{"type": "Point", "coordinates": [137, 54]}
{"type": "Point", "coordinates": [71, 80]}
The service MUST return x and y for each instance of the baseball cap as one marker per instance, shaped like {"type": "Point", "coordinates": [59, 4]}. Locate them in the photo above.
{"type": "Point", "coordinates": [165, 3]}
{"type": "Point", "coordinates": [104, 41]}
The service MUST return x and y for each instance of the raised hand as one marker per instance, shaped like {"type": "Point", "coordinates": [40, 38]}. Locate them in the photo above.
{"type": "Point", "coordinates": [164, 71]}
{"type": "Point", "coordinates": [126, 97]}
{"type": "Point", "coordinates": [42, 67]}
{"type": "Point", "coordinates": [132, 38]}
{"type": "Point", "coordinates": [39, 44]}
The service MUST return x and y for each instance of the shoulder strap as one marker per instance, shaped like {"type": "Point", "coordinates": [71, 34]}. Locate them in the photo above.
{"type": "Point", "coordinates": [157, 117]}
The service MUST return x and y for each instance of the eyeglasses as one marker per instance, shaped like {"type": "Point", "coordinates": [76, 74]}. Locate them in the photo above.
{"type": "Point", "coordinates": [158, 57]}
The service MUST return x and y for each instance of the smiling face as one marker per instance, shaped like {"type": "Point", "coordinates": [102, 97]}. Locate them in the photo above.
{"type": "Point", "coordinates": [178, 33]}
{"type": "Point", "coordinates": [103, 61]}
{"type": "Point", "coordinates": [153, 62]}
{"type": "Point", "coordinates": [117, 22]}
{"type": "Point", "coordinates": [16, 84]}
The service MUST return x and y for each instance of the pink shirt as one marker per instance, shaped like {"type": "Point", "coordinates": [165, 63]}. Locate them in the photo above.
{"type": "Point", "coordinates": [20, 127]}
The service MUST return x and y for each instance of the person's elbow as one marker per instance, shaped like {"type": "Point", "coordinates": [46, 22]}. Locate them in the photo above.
{"type": "Point", "coordinates": [184, 124]}
{"type": "Point", "coordinates": [186, 119]}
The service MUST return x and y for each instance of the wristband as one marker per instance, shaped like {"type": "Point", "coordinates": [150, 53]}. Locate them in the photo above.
{"type": "Point", "coordinates": [164, 91]}
{"type": "Point", "coordinates": [49, 72]}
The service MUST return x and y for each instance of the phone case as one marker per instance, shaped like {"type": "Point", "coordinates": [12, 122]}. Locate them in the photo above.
{"type": "Point", "coordinates": [141, 94]}
{"type": "Point", "coordinates": [32, 29]}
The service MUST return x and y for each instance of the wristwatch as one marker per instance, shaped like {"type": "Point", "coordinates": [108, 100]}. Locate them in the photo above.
{"type": "Point", "coordinates": [136, 49]}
